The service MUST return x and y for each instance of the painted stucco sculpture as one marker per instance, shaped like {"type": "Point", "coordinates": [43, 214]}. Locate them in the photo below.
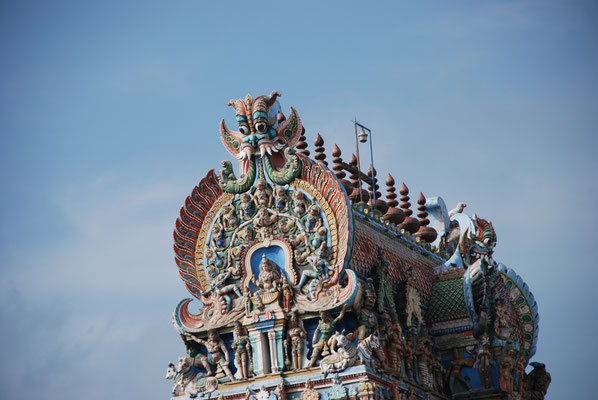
{"type": "Point", "coordinates": [302, 288]}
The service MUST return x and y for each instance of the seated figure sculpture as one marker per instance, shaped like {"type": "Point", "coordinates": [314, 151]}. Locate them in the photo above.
{"type": "Point", "coordinates": [267, 283]}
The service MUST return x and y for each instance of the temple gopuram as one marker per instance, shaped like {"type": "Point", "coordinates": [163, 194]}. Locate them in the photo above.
{"type": "Point", "coordinates": [307, 284]}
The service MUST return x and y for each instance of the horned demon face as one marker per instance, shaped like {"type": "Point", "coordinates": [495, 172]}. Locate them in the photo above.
{"type": "Point", "coordinates": [479, 245]}
{"type": "Point", "coordinates": [257, 117]}
{"type": "Point", "coordinates": [262, 127]}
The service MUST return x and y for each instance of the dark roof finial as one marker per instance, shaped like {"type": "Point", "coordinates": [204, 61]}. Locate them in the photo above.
{"type": "Point", "coordinates": [302, 144]}
{"type": "Point", "coordinates": [426, 233]}
{"type": "Point", "coordinates": [409, 224]}
{"type": "Point", "coordinates": [338, 169]}
{"type": "Point", "coordinates": [375, 188]}
{"type": "Point", "coordinates": [320, 155]}
{"type": "Point", "coordinates": [355, 182]}
{"type": "Point", "coordinates": [393, 215]}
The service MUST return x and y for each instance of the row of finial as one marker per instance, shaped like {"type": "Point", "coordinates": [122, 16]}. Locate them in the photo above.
{"type": "Point", "coordinates": [401, 216]}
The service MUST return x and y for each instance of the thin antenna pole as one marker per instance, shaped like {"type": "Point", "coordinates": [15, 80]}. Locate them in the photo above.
{"type": "Point", "coordinates": [373, 170]}
{"type": "Point", "coordinates": [355, 123]}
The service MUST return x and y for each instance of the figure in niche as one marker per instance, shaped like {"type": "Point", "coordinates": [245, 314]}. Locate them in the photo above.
{"type": "Point", "coordinates": [457, 383]}
{"type": "Point", "coordinates": [247, 302]}
{"type": "Point", "coordinates": [281, 201]}
{"type": "Point", "coordinates": [300, 204]}
{"type": "Point", "coordinates": [229, 218]}
{"type": "Point", "coordinates": [366, 318]}
{"type": "Point", "coordinates": [484, 361]}
{"type": "Point", "coordinates": [413, 300]}
{"type": "Point", "coordinates": [318, 262]}
{"type": "Point", "coordinates": [296, 338]}
{"type": "Point", "coordinates": [385, 297]}
{"type": "Point", "coordinates": [246, 207]}
{"type": "Point", "coordinates": [242, 347]}
{"type": "Point", "coordinates": [313, 222]}
{"type": "Point", "coordinates": [320, 237]}
{"type": "Point", "coordinates": [287, 294]}
{"type": "Point", "coordinates": [501, 326]}
{"type": "Point", "coordinates": [395, 348]}
{"type": "Point", "coordinates": [218, 355]}
{"type": "Point", "coordinates": [267, 282]}
{"type": "Point", "coordinates": [218, 238]}
{"type": "Point", "coordinates": [324, 330]}
{"type": "Point", "coordinates": [507, 363]}
{"type": "Point", "coordinates": [424, 356]}
{"type": "Point", "coordinates": [264, 224]}
{"type": "Point", "coordinates": [408, 358]}
{"type": "Point", "coordinates": [520, 365]}
{"type": "Point", "coordinates": [262, 197]}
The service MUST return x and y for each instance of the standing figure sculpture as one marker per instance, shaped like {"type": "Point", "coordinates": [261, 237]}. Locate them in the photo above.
{"type": "Point", "coordinates": [366, 318]}
{"type": "Point", "coordinates": [287, 294]}
{"type": "Point", "coordinates": [296, 334]}
{"type": "Point", "coordinates": [413, 301]}
{"type": "Point", "coordinates": [218, 354]}
{"type": "Point", "coordinates": [507, 363]}
{"type": "Point", "coordinates": [520, 365]}
{"type": "Point", "coordinates": [395, 349]}
{"type": "Point", "coordinates": [242, 347]}
{"type": "Point", "coordinates": [457, 383]}
{"type": "Point", "coordinates": [325, 329]}
{"type": "Point", "coordinates": [484, 361]}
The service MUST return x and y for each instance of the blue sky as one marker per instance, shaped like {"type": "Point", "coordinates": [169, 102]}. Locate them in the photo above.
{"type": "Point", "coordinates": [109, 116]}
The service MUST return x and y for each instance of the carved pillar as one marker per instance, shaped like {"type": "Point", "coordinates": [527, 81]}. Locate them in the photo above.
{"type": "Point", "coordinates": [280, 347]}
{"type": "Point", "coordinates": [273, 356]}
{"type": "Point", "coordinates": [255, 336]}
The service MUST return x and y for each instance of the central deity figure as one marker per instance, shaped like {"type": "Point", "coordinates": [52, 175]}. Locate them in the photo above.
{"type": "Point", "coordinates": [267, 282]}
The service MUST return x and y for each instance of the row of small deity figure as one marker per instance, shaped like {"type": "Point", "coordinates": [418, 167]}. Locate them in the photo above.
{"type": "Point", "coordinates": [279, 201]}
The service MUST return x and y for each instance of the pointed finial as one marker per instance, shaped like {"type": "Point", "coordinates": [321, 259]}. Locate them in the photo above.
{"type": "Point", "coordinates": [426, 233]}
{"type": "Point", "coordinates": [355, 196]}
{"type": "Point", "coordinates": [338, 169]}
{"type": "Point", "coordinates": [393, 215]}
{"type": "Point", "coordinates": [320, 155]}
{"type": "Point", "coordinates": [302, 144]}
{"type": "Point", "coordinates": [409, 224]}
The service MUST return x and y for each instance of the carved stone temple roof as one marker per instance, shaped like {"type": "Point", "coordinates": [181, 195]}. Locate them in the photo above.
{"type": "Point", "coordinates": [304, 288]}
